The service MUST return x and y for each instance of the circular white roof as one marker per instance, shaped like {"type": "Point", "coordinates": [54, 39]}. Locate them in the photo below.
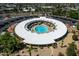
{"type": "Point", "coordinates": [40, 39]}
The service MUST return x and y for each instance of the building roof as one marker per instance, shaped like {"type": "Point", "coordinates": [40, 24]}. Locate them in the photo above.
{"type": "Point", "coordinates": [40, 39]}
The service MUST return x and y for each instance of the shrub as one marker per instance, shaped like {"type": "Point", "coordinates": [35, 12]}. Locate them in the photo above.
{"type": "Point", "coordinates": [60, 54]}
{"type": "Point", "coordinates": [75, 37]}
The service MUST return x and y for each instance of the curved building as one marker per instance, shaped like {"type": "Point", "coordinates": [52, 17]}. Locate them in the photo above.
{"type": "Point", "coordinates": [40, 31]}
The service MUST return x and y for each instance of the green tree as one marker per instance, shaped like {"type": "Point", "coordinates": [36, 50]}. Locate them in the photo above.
{"type": "Point", "coordinates": [9, 44]}
{"type": "Point", "coordinates": [77, 26]}
{"type": "Point", "coordinates": [71, 49]}
{"type": "Point", "coordinates": [74, 14]}
{"type": "Point", "coordinates": [59, 10]}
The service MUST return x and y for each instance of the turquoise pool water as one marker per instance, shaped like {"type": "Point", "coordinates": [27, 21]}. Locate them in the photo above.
{"type": "Point", "coordinates": [41, 29]}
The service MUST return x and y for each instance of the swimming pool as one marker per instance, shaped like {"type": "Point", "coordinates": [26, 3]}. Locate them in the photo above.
{"type": "Point", "coordinates": [41, 29]}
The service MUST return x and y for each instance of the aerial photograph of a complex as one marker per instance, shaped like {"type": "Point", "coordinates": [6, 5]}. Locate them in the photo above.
{"type": "Point", "coordinates": [39, 29]}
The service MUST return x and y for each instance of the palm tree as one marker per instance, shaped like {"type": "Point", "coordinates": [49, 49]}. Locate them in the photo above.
{"type": "Point", "coordinates": [29, 50]}
{"type": "Point", "coordinates": [62, 42]}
